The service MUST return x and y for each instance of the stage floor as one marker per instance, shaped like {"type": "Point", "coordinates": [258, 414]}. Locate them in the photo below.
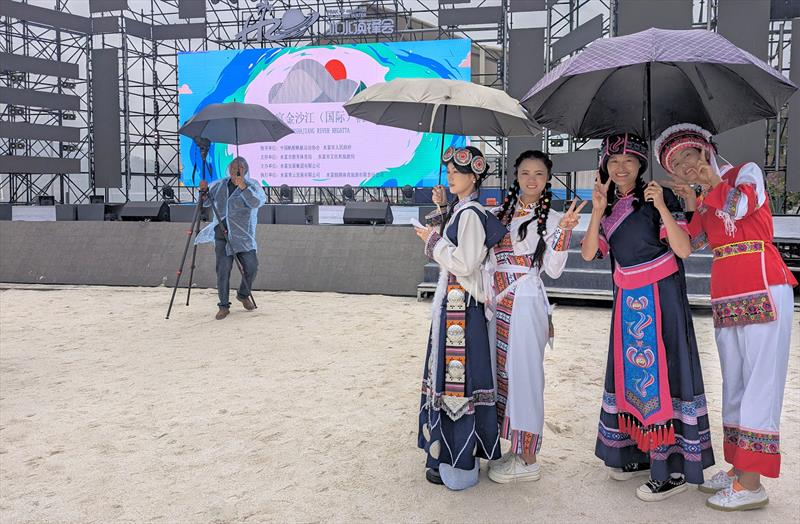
{"type": "Point", "coordinates": [305, 410]}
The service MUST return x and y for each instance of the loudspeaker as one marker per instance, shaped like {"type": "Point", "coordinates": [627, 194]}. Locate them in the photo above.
{"type": "Point", "coordinates": [6, 212]}
{"type": "Point", "coordinates": [368, 213]}
{"type": "Point", "coordinates": [45, 200]}
{"type": "Point", "coordinates": [96, 199]}
{"type": "Point", "coordinates": [185, 213]}
{"type": "Point", "coordinates": [297, 214]}
{"type": "Point", "coordinates": [66, 212]}
{"type": "Point", "coordinates": [145, 212]}
{"type": "Point", "coordinates": [91, 211]}
{"type": "Point", "coordinates": [266, 214]}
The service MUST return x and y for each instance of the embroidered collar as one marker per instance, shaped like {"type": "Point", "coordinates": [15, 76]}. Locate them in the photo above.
{"type": "Point", "coordinates": [462, 203]}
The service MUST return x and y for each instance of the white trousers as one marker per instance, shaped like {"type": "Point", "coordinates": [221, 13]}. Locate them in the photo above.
{"type": "Point", "coordinates": [754, 360]}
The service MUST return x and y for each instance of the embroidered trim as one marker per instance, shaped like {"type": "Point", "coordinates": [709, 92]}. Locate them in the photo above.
{"type": "Point", "coordinates": [481, 397]}
{"type": "Point", "coordinates": [453, 401]}
{"type": "Point", "coordinates": [687, 411]}
{"type": "Point", "coordinates": [751, 440]}
{"type": "Point", "coordinates": [504, 254]}
{"type": "Point", "coordinates": [522, 442]}
{"type": "Point", "coordinates": [699, 242]}
{"type": "Point", "coordinates": [738, 248]}
{"type": "Point", "coordinates": [732, 201]}
{"type": "Point", "coordinates": [430, 244]}
{"type": "Point", "coordinates": [740, 311]}
{"type": "Point", "coordinates": [690, 449]}
{"type": "Point", "coordinates": [622, 208]}
{"type": "Point", "coordinates": [561, 239]}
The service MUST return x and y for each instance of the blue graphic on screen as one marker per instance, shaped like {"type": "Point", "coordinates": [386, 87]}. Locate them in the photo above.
{"type": "Point", "coordinates": [306, 87]}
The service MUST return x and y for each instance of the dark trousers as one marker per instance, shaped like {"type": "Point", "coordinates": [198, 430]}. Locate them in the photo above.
{"type": "Point", "coordinates": [225, 263]}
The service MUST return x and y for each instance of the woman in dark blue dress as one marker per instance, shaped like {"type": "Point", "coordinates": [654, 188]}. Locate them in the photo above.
{"type": "Point", "coordinates": [654, 418]}
{"type": "Point", "coordinates": [458, 418]}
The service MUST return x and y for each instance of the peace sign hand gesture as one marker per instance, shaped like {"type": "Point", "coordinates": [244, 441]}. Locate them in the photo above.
{"type": "Point", "coordinates": [571, 218]}
{"type": "Point", "coordinates": [600, 195]}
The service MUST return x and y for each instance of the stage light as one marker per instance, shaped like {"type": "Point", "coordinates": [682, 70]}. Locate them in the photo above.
{"type": "Point", "coordinates": [167, 194]}
{"type": "Point", "coordinates": [408, 192]}
{"type": "Point", "coordinates": [286, 194]}
{"type": "Point", "coordinates": [348, 194]}
{"type": "Point", "coordinates": [69, 147]}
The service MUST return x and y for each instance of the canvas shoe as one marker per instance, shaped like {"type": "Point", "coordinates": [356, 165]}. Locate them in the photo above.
{"type": "Point", "coordinates": [721, 480]}
{"type": "Point", "coordinates": [514, 469]}
{"type": "Point", "coordinates": [658, 490]}
{"type": "Point", "coordinates": [737, 498]}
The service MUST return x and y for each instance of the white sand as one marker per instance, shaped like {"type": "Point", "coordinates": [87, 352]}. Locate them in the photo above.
{"type": "Point", "coordinates": [305, 410]}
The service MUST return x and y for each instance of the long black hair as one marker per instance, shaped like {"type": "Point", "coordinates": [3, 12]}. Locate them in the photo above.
{"type": "Point", "coordinates": [507, 210]}
{"type": "Point", "coordinates": [467, 170]}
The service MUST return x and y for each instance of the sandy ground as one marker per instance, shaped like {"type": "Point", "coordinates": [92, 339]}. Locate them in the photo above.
{"type": "Point", "coordinates": [304, 410]}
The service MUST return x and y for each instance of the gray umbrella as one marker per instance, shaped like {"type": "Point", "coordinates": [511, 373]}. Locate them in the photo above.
{"type": "Point", "coordinates": [440, 105]}
{"type": "Point", "coordinates": [646, 82]}
{"type": "Point", "coordinates": [235, 123]}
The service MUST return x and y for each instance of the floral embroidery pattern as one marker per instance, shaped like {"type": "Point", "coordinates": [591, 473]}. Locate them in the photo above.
{"type": "Point", "coordinates": [739, 311]}
{"type": "Point", "coordinates": [739, 248]}
{"type": "Point", "coordinates": [752, 441]}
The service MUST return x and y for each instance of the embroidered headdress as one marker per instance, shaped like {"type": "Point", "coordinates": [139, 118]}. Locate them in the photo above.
{"type": "Point", "coordinates": [623, 144]}
{"type": "Point", "coordinates": [679, 137]}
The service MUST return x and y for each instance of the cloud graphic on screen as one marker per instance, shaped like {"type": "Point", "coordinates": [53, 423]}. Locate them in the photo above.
{"type": "Point", "coordinates": [308, 82]}
{"type": "Point", "coordinates": [185, 90]}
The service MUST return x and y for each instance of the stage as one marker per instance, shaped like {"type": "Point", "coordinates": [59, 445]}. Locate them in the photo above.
{"type": "Point", "coordinates": [386, 260]}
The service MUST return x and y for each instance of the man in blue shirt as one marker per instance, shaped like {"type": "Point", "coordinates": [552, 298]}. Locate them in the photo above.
{"type": "Point", "coordinates": [237, 199]}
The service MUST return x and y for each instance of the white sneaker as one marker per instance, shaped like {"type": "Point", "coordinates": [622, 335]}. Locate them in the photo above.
{"type": "Point", "coordinates": [514, 469]}
{"type": "Point", "coordinates": [732, 500]}
{"type": "Point", "coordinates": [721, 480]}
{"type": "Point", "coordinates": [504, 458]}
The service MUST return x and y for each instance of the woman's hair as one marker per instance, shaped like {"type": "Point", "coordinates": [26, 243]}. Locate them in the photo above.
{"type": "Point", "coordinates": [466, 170]}
{"type": "Point", "coordinates": [508, 209]}
{"type": "Point", "coordinates": [638, 190]}
{"type": "Point", "coordinates": [242, 161]}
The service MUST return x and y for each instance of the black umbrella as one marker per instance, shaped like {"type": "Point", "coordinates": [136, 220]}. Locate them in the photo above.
{"type": "Point", "coordinates": [646, 82]}
{"type": "Point", "coordinates": [228, 123]}
{"type": "Point", "coordinates": [235, 123]}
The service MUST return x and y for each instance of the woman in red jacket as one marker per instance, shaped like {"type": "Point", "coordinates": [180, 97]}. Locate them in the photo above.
{"type": "Point", "coordinates": [752, 305]}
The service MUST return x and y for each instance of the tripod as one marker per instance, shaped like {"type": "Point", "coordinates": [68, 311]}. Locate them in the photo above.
{"type": "Point", "coordinates": [194, 229]}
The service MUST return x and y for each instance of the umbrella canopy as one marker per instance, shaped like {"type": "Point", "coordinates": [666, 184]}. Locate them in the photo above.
{"type": "Point", "coordinates": [645, 82]}
{"type": "Point", "coordinates": [437, 105]}
{"type": "Point", "coordinates": [235, 123]}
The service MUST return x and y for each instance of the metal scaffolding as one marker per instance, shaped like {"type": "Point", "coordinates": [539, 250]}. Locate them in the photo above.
{"type": "Point", "coordinates": [148, 83]}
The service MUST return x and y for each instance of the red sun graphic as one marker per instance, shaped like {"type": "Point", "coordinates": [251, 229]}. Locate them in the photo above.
{"type": "Point", "coordinates": [336, 69]}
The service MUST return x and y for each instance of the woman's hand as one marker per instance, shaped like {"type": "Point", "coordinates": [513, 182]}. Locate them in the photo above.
{"type": "Point", "coordinates": [424, 232]}
{"type": "Point", "coordinates": [600, 195]}
{"type": "Point", "coordinates": [439, 196]}
{"type": "Point", "coordinates": [571, 218]}
{"type": "Point", "coordinates": [655, 193]}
